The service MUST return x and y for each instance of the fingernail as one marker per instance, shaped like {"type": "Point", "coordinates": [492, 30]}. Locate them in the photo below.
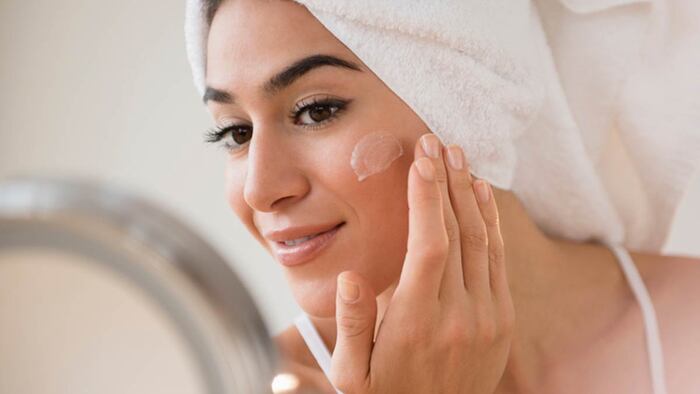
{"type": "Point", "coordinates": [349, 292]}
{"type": "Point", "coordinates": [426, 169]}
{"type": "Point", "coordinates": [482, 191]}
{"type": "Point", "coordinates": [455, 157]}
{"type": "Point", "coordinates": [431, 145]}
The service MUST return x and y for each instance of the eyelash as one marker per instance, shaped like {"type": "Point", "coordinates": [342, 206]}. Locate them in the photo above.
{"type": "Point", "coordinates": [218, 133]}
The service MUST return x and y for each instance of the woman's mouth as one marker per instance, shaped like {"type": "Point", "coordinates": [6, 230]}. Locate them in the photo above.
{"type": "Point", "coordinates": [300, 250]}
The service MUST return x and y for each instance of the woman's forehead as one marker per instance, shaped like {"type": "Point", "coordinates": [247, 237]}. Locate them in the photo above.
{"type": "Point", "coordinates": [251, 40]}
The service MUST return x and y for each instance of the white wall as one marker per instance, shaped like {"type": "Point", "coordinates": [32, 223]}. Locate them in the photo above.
{"type": "Point", "coordinates": [102, 89]}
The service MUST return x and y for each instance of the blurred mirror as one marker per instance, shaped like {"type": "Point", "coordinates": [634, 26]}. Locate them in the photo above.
{"type": "Point", "coordinates": [101, 292]}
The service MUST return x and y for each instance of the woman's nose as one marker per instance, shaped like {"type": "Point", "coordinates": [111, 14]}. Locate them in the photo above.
{"type": "Point", "coordinates": [273, 179]}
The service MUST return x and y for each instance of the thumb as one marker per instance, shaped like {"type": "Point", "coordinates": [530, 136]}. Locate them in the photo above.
{"type": "Point", "coordinates": [355, 315]}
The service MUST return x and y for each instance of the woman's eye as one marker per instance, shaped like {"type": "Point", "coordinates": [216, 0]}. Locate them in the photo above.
{"type": "Point", "coordinates": [316, 113]}
{"type": "Point", "coordinates": [234, 136]}
{"type": "Point", "coordinates": [241, 135]}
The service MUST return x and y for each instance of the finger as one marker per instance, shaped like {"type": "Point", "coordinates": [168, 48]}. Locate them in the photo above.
{"type": "Point", "coordinates": [452, 284]}
{"type": "Point", "coordinates": [473, 236]}
{"type": "Point", "coordinates": [355, 315]}
{"type": "Point", "coordinates": [427, 242]}
{"type": "Point", "coordinates": [496, 252]}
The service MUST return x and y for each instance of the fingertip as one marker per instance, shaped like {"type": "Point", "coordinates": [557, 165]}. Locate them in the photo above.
{"type": "Point", "coordinates": [454, 157]}
{"type": "Point", "coordinates": [351, 276]}
{"type": "Point", "coordinates": [348, 290]}
{"type": "Point", "coordinates": [425, 169]}
{"type": "Point", "coordinates": [345, 275]}
{"type": "Point", "coordinates": [483, 191]}
{"type": "Point", "coordinates": [487, 203]}
{"type": "Point", "coordinates": [418, 151]}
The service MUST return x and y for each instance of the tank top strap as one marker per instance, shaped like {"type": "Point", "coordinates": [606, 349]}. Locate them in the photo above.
{"type": "Point", "coordinates": [315, 344]}
{"type": "Point", "coordinates": [653, 339]}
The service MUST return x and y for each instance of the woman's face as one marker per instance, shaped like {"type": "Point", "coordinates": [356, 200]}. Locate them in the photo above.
{"type": "Point", "coordinates": [288, 167]}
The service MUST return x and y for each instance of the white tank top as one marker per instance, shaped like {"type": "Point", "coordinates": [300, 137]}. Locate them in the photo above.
{"type": "Point", "coordinates": [653, 342]}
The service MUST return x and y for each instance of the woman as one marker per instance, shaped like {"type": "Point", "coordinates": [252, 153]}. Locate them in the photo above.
{"type": "Point", "coordinates": [563, 318]}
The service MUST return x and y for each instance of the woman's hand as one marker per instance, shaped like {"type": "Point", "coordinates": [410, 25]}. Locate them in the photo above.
{"type": "Point", "coordinates": [449, 324]}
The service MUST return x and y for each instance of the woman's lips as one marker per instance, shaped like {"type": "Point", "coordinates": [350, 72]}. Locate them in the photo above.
{"type": "Point", "coordinates": [307, 250]}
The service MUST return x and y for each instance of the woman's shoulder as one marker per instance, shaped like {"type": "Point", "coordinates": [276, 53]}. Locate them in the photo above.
{"type": "Point", "coordinates": [670, 275]}
{"type": "Point", "coordinates": [298, 360]}
{"type": "Point", "coordinates": [673, 283]}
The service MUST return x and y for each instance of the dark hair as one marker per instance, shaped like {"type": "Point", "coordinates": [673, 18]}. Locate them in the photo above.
{"type": "Point", "coordinates": [210, 7]}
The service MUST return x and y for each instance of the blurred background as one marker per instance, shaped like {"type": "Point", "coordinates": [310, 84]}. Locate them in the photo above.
{"type": "Point", "coordinates": [102, 90]}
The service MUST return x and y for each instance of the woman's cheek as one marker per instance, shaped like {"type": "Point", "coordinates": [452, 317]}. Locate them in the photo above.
{"type": "Point", "coordinates": [362, 158]}
{"type": "Point", "coordinates": [377, 169]}
{"type": "Point", "coordinates": [374, 153]}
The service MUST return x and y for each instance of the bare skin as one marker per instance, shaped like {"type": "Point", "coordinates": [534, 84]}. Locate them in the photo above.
{"type": "Point", "coordinates": [578, 327]}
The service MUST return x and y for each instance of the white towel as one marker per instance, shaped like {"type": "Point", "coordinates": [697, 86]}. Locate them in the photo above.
{"type": "Point", "coordinates": [588, 110]}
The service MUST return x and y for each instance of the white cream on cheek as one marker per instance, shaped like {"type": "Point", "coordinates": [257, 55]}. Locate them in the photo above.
{"type": "Point", "coordinates": [374, 153]}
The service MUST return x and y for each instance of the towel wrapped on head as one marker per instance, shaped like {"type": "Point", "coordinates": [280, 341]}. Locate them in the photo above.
{"type": "Point", "coordinates": [543, 96]}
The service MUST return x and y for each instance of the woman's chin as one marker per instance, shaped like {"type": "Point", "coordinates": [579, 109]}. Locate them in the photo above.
{"type": "Point", "coordinates": [318, 308]}
{"type": "Point", "coordinates": [316, 300]}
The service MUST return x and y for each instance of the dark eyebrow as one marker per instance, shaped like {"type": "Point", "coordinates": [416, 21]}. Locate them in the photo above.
{"type": "Point", "coordinates": [284, 78]}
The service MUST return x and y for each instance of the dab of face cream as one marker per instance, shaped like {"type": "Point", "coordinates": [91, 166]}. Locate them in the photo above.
{"type": "Point", "coordinates": [374, 153]}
